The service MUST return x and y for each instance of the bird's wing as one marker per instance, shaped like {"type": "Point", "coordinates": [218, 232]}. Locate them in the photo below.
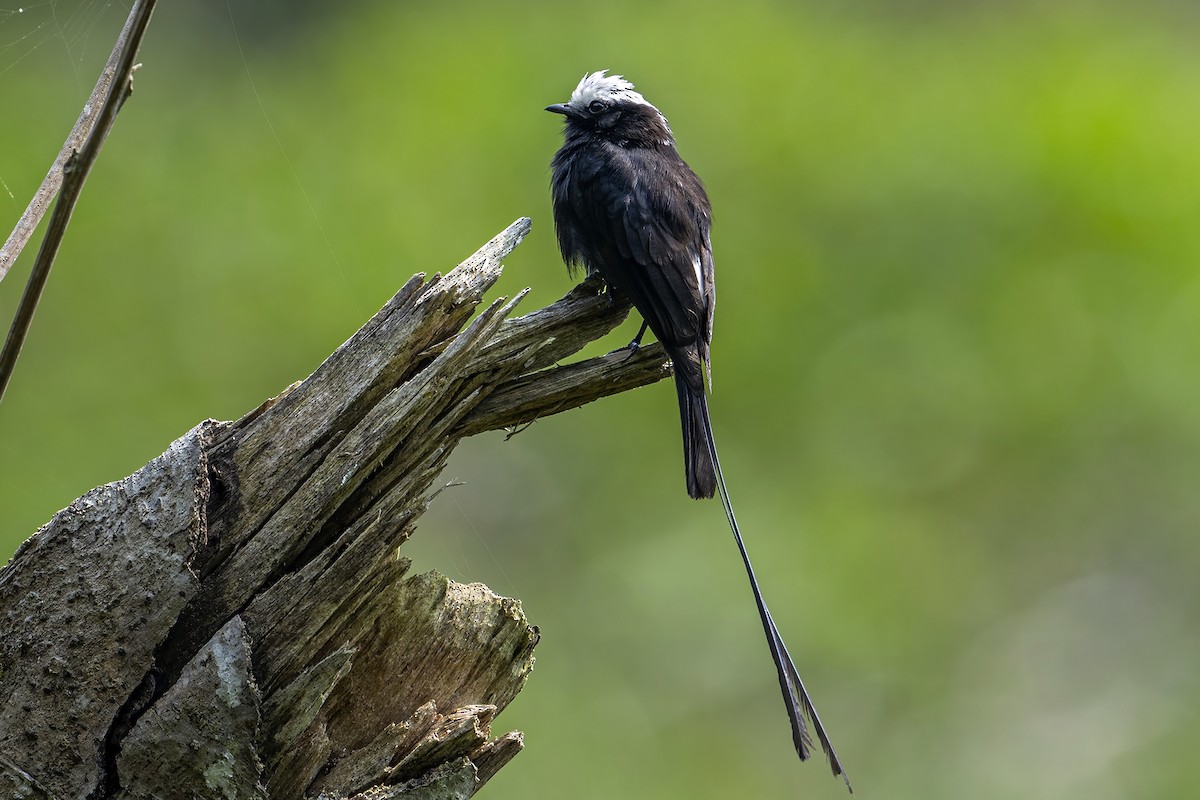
{"type": "Point", "coordinates": [657, 213]}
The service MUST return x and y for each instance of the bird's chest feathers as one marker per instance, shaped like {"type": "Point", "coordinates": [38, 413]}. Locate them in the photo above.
{"type": "Point", "coordinates": [604, 167]}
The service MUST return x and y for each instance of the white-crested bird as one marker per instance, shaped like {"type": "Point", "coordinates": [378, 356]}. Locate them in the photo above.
{"type": "Point", "coordinates": [627, 207]}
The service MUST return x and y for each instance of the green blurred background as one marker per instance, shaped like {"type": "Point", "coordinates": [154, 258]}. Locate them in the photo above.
{"type": "Point", "coordinates": [957, 357]}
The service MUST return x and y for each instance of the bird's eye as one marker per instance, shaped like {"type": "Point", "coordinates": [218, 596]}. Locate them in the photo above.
{"type": "Point", "coordinates": [596, 106]}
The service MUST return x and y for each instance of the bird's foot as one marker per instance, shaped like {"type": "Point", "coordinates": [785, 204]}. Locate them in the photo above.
{"type": "Point", "coordinates": [635, 345]}
{"type": "Point", "coordinates": [630, 350]}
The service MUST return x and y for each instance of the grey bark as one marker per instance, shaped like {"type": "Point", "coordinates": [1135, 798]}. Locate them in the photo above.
{"type": "Point", "coordinates": [235, 620]}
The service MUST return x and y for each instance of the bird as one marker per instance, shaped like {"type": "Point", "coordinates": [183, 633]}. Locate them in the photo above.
{"type": "Point", "coordinates": [628, 208]}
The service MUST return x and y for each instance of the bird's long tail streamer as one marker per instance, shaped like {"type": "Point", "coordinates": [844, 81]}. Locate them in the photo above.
{"type": "Point", "coordinates": [795, 696]}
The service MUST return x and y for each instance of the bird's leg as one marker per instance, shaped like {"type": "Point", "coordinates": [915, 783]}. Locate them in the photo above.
{"type": "Point", "coordinates": [637, 340]}
{"type": "Point", "coordinates": [632, 348]}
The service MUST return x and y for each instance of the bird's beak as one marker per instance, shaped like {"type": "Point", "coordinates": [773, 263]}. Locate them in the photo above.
{"type": "Point", "coordinates": [560, 108]}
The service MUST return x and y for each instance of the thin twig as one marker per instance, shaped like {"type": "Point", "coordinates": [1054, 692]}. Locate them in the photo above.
{"type": "Point", "coordinates": [73, 175]}
{"type": "Point", "coordinates": [83, 128]}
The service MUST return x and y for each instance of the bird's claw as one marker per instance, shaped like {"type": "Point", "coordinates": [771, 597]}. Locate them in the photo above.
{"type": "Point", "coordinates": [630, 350]}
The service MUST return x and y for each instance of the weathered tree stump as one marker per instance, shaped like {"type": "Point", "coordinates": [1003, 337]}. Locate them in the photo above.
{"type": "Point", "coordinates": [234, 620]}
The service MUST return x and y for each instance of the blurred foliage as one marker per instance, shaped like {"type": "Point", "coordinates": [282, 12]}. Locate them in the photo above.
{"type": "Point", "coordinates": [956, 384]}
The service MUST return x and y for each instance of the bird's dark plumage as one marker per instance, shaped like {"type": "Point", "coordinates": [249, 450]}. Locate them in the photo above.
{"type": "Point", "coordinates": [628, 207]}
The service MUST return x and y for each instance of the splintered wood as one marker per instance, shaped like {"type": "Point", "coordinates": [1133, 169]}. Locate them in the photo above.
{"type": "Point", "coordinates": [235, 619]}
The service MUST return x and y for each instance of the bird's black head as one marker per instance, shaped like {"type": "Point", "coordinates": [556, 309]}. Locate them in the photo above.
{"type": "Point", "coordinates": [607, 106]}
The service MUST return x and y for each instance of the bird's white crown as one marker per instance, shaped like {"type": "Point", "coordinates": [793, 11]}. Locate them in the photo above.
{"type": "Point", "coordinates": [601, 86]}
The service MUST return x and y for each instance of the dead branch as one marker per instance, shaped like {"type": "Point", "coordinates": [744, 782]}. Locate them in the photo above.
{"type": "Point", "coordinates": [236, 614]}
